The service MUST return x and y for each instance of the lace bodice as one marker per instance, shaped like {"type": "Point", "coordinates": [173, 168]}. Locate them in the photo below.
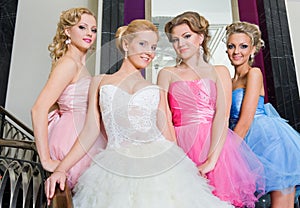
{"type": "Point", "coordinates": [130, 118]}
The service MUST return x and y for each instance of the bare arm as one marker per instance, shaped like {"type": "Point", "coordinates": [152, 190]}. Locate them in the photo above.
{"type": "Point", "coordinates": [220, 122]}
{"type": "Point", "coordinates": [86, 139]}
{"type": "Point", "coordinates": [164, 80]}
{"type": "Point", "coordinates": [61, 75]}
{"type": "Point", "coordinates": [250, 101]}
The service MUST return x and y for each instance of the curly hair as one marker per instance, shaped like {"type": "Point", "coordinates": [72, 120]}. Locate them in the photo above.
{"type": "Point", "coordinates": [251, 30]}
{"type": "Point", "coordinates": [197, 23]}
{"type": "Point", "coordinates": [67, 19]}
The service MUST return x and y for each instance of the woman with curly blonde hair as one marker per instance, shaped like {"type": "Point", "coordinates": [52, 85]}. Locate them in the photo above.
{"type": "Point", "coordinates": [66, 87]}
{"type": "Point", "coordinates": [270, 137]}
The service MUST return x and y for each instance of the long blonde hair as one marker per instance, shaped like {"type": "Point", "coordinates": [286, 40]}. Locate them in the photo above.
{"type": "Point", "coordinates": [67, 19]}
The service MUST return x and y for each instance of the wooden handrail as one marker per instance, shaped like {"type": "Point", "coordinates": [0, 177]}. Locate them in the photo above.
{"type": "Point", "coordinates": [62, 198]}
{"type": "Point", "coordinates": [17, 144]}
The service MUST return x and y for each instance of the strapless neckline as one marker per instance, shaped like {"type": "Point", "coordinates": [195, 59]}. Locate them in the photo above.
{"type": "Point", "coordinates": [243, 90]}
{"type": "Point", "coordinates": [129, 93]}
{"type": "Point", "coordinates": [80, 79]}
{"type": "Point", "coordinates": [239, 89]}
{"type": "Point", "coordinates": [193, 81]}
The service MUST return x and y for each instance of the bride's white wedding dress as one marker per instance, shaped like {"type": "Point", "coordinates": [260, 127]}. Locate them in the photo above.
{"type": "Point", "coordinates": [140, 168]}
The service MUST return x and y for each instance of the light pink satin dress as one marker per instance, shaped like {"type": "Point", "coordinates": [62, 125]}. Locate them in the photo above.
{"type": "Point", "coordinates": [66, 123]}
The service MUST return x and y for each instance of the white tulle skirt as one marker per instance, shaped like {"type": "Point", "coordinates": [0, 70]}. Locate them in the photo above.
{"type": "Point", "coordinates": [150, 175]}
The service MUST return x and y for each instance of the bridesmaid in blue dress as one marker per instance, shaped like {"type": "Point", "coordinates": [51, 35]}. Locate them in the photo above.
{"type": "Point", "coordinates": [270, 137]}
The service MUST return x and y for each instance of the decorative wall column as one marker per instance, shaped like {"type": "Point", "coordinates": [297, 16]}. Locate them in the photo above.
{"type": "Point", "coordinates": [112, 18]}
{"type": "Point", "coordinates": [115, 14]}
{"type": "Point", "coordinates": [277, 56]}
{"type": "Point", "coordinates": [8, 11]}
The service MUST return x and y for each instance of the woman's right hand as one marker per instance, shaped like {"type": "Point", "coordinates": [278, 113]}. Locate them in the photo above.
{"type": "Point", "coordinates": [57, 177]}
{"type": "Point", "coordinates": [50, 165]}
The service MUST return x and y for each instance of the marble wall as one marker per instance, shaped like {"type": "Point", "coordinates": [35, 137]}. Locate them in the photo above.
{"type": "Point", "coordinates": [8, 9]}
{"type": "Point", "coordinates": [276, 59]}
{"type": "Point", "coordinates": [113, 17]}
{"type": "Point", "coordinates": [279, 60]}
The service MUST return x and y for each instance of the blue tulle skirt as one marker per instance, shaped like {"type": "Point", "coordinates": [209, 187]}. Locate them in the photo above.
{"type": "Point", "coordinates": [277, 145]}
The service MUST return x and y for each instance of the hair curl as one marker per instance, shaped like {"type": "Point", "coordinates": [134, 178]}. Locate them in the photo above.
{"type": "Point", "coordinates": [197, 23]}
{"type": "Point", "coordinates": [129, 31]}
{"type": "Point", "coordinates": [68, 19]}
{"type": "Point", "coordinates": [251, 30]}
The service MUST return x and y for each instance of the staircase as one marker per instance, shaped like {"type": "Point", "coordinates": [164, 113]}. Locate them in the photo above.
{"type": "Point", "coordinates": [21, 173]}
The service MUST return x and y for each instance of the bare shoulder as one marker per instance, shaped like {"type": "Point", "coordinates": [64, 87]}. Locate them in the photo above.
{"type": "Point", "coordinates": [169, 68]}
{"type": "Point", "coordinates": [255, 72]}
{"type": "Point", "coordinates": [166, 72]}
{"type": "Point", "coordinates": [65, 65]}
{"type": "Point", "coordinates": [96, 80]}
{"type": "Point", "coordinates": [222, 71]}
{"type": "Point", "coordinates": [67, 60]}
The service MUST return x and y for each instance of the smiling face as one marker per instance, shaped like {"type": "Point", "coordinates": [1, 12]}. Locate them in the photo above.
{"type": "Point", "coordinates": [83, 34]}
{"type": "Point", "coordinates": [185, 42]}
{"type": "Point", "coordinates": [239, 48]}
{"type": "Point", "coordinates": [141, 49]}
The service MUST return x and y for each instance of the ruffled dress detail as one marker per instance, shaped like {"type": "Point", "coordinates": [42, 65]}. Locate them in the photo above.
{"type": "Point", "coordinates": [139, 167]}
{"type": "Point", "coordinates": [273, 140]}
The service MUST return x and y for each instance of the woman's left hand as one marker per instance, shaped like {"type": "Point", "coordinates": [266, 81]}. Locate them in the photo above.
{"type": "Point", "coordinates": [57, 177]}
{"type": "Point", "coordinates": [206, 168]}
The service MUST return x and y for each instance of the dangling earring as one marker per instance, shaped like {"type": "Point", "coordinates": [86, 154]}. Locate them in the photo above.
{"type": "Point", "coordinates": [126, 54]}
{"type": "Point", "coordinates": [251, 56]}
{"type": "Point", "coordinates": [201, 50]}
{"type": "Point", "coordinates": [178, 61]}
{"type": "Point", "coordinates": [92, 48]}
{"type": "Point", "coordinates": [68, 41]}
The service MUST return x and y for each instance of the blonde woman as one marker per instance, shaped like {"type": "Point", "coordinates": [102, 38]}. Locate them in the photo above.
{"type": "Point", "coordinates": [67, 87]}
{"type": "Point", "coordinates": [275, 143]}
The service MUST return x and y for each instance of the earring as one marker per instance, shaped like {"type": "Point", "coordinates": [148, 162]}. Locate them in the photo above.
{"type": "Point", "coordinates": [92, 48]}
{"type": "Point", "coordinates": [178, 61]}
{"type": "Point", "coordinates": [68, 41]}
{"type": "Point", "coordinates": [251, 56]}
{"type": "Point", "coordinates": [201, 50]}
{"type": "Point", "coordinates": [126, 54]}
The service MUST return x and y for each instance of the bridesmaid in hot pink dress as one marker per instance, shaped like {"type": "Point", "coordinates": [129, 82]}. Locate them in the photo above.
{"type": "Point", "coordinates": [67, 87]}
{"type": "Point", "coordinates": [199, 97]}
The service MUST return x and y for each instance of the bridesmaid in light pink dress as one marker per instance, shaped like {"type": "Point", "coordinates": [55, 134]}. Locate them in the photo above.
{"type": "Point", "coordinates": [199, 96]}
{"type": "Point", "coordinates": [67, 122]}
{"type": "Point", "coordinates": [67, 87]}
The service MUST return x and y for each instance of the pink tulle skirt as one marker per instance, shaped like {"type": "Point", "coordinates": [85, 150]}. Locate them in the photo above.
{"type": "Point", "coordinates": [238, 175]}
